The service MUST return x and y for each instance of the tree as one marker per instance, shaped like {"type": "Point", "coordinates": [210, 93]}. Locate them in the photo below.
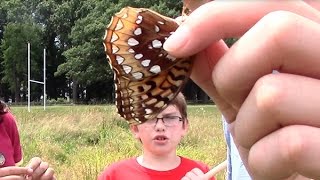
{"type": "Point", "coordinates": [86, 59]}
{"type": "Point", "coordinates": [14, 48]}
{"type": "Point", "coordinates": [17, 29]}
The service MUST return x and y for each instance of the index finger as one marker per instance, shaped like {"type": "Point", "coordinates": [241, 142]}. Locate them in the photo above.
{"type": "Point", "coordinates": [217, 20]}
{"type": "Point", "coordinates": [10, 171]}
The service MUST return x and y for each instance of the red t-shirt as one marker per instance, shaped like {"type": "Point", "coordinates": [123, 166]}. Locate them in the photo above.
{"type": "Point", "coordinates": [131, 169]}
{"type": "Point", "coordinates": [10, 147]}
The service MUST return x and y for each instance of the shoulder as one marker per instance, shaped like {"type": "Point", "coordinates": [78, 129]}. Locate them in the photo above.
{"type": "Point", "coordinates": [8, 117]}
{"type": "Point", "coordinates": [8, 120]}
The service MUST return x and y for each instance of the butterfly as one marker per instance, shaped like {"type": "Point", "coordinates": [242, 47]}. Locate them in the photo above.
{"type": "Point", "coordinates": [146, 77]}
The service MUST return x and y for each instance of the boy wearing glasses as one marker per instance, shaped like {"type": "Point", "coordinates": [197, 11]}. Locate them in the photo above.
{"type": "Point", "coordinates": [159, 160]}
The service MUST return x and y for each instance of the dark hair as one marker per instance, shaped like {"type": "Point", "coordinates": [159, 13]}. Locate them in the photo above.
{"type": "Point", "coordinates": [180, 102]}
{"type": "Point", "coordinates": [3, 109]}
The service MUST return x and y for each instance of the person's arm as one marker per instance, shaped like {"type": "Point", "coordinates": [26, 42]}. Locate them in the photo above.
{"type": "Point", "coordinates": [15, 138]}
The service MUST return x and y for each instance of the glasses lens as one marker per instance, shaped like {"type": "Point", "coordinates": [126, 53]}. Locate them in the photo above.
{"type": "Point", "coordinates": [171, 120]}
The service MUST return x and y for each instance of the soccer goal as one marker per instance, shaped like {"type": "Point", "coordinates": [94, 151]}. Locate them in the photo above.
{"type": "Point", "coordinates": [37, 82]}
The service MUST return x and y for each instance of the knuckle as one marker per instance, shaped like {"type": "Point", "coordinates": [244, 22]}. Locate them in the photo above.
{"type": "Point", "coordinates": [44, 165]}
{"type": "Point", "coordinates": [269, 92]}
{"type": "Point", "coordinates": [36, 159]}
{"type": "Point", "coordinates": [277, 25]}
{"type": "Point", "coordinates": [282, 22]}
{"type": "Point", "coordinates": [291, 145]}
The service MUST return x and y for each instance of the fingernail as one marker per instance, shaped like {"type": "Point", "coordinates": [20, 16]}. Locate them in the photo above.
{"type": "Point", "coordinates": [177, 40]}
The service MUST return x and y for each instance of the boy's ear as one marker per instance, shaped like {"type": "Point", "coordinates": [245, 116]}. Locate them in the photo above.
{"type": "Point", "coordinates": [135, 131]}
{"type": "Point", "coordinates": [185, 127]}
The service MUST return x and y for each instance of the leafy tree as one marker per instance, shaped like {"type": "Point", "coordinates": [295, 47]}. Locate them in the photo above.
{"type": "Point", "coordinates": [14, 47]}
{"type": "Point", "coordinates": [85, 59]}
{"type": "Point", "coordinates": [49, 14]}
{"type": "Point", "coordinates": [18, 28]}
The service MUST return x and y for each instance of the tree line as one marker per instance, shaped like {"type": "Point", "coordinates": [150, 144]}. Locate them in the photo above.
{"type": "Point", "coordinates": [71, 31]}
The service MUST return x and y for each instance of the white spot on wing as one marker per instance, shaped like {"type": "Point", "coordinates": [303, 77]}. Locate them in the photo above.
{"type": "Point", "coordinates": [114, 37]}
{"type": "Point", "coordinates": [155, 69]}
{"type": "Point", "coordinates": [139, 19]}
{"type": "Point", "coordinates": [137, 119]}
{"type": "Point", "coordinates": [127, 68]}
{"type": "Point", "coordinates": [132, 42]}
{"type": "Point", "coordinates": [156, 28]}
{"type": "Point", "coordinates": [115, 49]}
{"type": "Point", "coordinates": [131, 51]}
{"type": "Point", "coordinates": [144, 96]}
{"type": "Point", "coordinates": [156, 43]}
{"type": "Point", "coordinates": [119, 25]}
{"type": "Point", "coordinates": [137, 32]}
{"type": "Point", "coordinates": [138, 56]}
{"type": "Point", "coordinates": [159, 104]}
{"type": "Point", "coordinates": [160, 22]}
{"type": "Point", "coordinates": [146, 63]}
{"type": "Point", "coordinates": [171, 57]}
{"type": "Point", "coordinates": [148, 111]}
{"type": "Point", "coordinates": [137, 75]}
{"type": "Point", "coordinates": [119, 59]}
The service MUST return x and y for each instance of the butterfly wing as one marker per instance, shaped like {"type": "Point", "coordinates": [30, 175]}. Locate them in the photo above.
{"type": "Point", "coordinates": [147, 78]}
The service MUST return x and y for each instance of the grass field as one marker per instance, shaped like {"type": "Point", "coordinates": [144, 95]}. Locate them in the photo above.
{"type": "Point", "coordinates": [79, 141]}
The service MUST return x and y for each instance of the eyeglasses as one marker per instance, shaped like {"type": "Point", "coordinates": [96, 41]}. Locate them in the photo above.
{"type": "Point", "coordinates": [166, 120]}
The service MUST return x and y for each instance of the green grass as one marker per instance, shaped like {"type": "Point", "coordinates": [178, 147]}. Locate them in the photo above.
{"type": "Point", "coordinates": [79, 141]}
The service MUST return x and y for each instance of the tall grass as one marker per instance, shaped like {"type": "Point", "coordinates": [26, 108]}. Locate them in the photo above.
{"type": "Point", "coordinates": [79, 141]}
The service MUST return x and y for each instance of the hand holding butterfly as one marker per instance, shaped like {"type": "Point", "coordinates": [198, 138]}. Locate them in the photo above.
{"type": "Point", "coordinates": [274, 118]}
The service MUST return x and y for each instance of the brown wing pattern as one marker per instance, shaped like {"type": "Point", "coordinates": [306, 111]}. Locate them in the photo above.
{"type": "Point", "coordinates": [146, 77]}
